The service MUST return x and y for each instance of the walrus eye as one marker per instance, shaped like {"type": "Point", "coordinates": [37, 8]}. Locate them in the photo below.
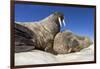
{"type": "Point", "coordinates": [59, 19]}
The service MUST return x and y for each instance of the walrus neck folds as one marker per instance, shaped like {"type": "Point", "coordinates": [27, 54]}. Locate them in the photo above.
{"type": "Point", "coordinates": [53, 22]}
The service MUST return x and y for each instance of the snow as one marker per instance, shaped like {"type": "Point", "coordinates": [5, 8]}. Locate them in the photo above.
{"type": "Point", "coordinates": [40, 57]}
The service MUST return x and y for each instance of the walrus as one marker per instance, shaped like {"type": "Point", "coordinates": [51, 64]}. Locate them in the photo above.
{"type": "Point", "coordinates": [41, 33]}
{"type": "Point", "coordinates": [67, 42]}
{"type": "Point", "coordinates": [23, 40]}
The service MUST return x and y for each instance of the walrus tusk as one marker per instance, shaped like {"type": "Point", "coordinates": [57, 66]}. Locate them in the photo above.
{"type": "Point", "coordinates": [60, 21]}
{"type": "Point", "coordinates": [64, 22]}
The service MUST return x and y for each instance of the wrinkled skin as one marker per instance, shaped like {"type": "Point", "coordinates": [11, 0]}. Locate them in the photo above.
{"type": "Point", "coordinates": [39, 35]}
{"type": "Point", "coordinates": [67, 42]}
{"type": "Point", "coordinates": [23, 39]}
{"type": "Point", "coordinates": [45, 35]}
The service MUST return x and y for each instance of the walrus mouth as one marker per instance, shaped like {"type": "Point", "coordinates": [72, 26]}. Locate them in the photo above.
{"type": "Point", "coordinates": [61, 22]}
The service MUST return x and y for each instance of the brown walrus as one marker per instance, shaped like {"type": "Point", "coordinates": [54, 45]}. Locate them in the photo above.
{"type": "Point", "coordinates": [67, 42]}
{"type": "Point", "coordinates": [45, 35]}
{"type": "Point", "coordinates": [41, 33]}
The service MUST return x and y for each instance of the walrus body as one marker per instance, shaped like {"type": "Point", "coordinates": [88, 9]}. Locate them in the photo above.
{"type": "Point", "coordinates": [45, 35]}
{"type": "Point", "coordinates": [44, 32]}
{"type": "Point", "coordinates": [67, 42]}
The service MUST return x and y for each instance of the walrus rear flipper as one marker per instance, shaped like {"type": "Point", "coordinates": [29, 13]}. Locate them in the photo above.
{"type": "Point", "coordinates": [23, 39]}
{"type": "Point", "coordinates": [23, 31]}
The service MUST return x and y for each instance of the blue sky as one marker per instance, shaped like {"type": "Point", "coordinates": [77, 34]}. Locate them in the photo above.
{"type": "Point", "coordinates": [79, 20]}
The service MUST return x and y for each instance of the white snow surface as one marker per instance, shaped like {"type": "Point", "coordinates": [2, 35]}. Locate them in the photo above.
{"type": "Point", "coordinates": [40, 57]}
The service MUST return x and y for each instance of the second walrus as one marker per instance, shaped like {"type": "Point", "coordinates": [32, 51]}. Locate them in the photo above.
{"type": "Point", "coordinates": [67, 42]}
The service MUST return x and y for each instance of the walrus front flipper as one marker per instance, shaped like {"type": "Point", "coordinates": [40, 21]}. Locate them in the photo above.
{"type": "Point", "coordinates": [23, 48]}
{"type": "Point", "coordinates": [50, 49]}
{"type": "Point", "coordinates": [23, 39]}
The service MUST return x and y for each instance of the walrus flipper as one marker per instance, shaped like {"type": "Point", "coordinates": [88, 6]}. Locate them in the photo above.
{"type": "Point", "coordinates": [23, 39]}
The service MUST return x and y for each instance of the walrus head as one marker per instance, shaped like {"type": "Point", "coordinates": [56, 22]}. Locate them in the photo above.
{"type": "Point", "coordinates": [60, 18]}
{"type": "Point", "coordinates": [56, 18]}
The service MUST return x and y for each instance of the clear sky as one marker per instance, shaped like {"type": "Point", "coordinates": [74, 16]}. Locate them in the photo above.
{"type": "Point", "coordinates": [79, 20]}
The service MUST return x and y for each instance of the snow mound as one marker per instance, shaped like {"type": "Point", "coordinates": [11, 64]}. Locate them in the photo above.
{"type": "Point", "coordinates": [40, 57]}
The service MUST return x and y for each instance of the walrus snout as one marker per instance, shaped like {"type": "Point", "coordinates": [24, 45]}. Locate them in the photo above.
{"type": "Point", "coordinates": [60, 18]}
{"type": "Point", "coordinates": [59, 14]}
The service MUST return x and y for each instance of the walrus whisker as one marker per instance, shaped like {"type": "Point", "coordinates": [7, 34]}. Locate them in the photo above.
{"type": "Point", "coordinates": [60, 21]}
